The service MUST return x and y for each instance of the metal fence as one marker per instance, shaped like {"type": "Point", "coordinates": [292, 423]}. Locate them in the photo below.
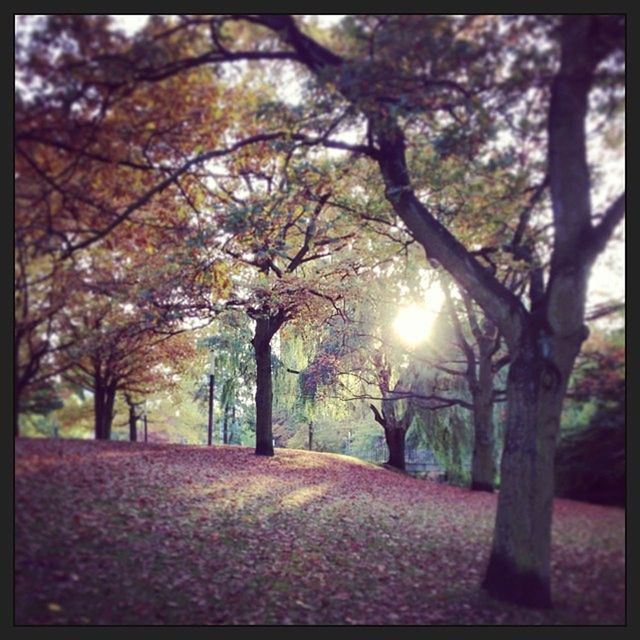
{"type": "Point", "coordinates": [416, 460]}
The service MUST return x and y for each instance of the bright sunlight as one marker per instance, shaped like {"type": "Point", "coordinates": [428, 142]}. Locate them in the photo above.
{"type": "Point", "coordinates": [414, 322]}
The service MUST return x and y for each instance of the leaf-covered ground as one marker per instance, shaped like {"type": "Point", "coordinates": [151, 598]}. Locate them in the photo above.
{"type": "Point", "coordinates": [120, 533]}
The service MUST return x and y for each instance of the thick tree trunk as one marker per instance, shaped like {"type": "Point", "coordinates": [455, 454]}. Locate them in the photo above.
{"type": "Point", "coordinates": [265, 330]}
{"type": "Point", "coordinates": [103, 401]}
{"type": "Point", "coordinates": [519, 566]}
{"type": "Point", "coordinates": [264, 400]}
{"type": "Point", "coordinates": [395, 437]}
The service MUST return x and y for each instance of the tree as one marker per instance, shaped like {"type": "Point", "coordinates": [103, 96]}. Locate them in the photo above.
{"type": "Point", "coordinates": [406, 79]}
{"type": "Point", "coordinates": [544, 340]}
{"type": "Point", "coordinates": [286, 231]}
{"type": "Point", "coordinates": [478, 375]}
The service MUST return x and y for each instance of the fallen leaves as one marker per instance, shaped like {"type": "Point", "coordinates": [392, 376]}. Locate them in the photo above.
{"type": "Point", "coordinates": [121, 533]}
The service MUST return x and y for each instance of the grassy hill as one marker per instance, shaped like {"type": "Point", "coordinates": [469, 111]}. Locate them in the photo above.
{"type": "Point", "coordinates": [122, 533]}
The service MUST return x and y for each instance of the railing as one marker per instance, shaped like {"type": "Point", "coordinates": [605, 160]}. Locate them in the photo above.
{"type": "Point", "coordinates": [416, 460]}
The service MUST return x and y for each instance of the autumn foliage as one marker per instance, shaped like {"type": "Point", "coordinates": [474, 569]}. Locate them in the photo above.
{"type": "Point", "coordinates": [123, 533]}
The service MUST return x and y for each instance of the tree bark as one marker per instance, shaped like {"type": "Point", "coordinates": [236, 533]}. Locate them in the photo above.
{"type": "Point", "coordinates": [519, 566]}
{"type": "Point", "coordinates": [483, 467]}
{"type": "Point", "coordinates": [225, 424]}
{"type": "Point", "coordinates": [133, 432]}
{"type": "Point", "coordinates": [311, 435]}
{"type": "Point", "coordinates": [99, 393]}
{"type": "Point", "coordinates": [395, 437]}
{"type": "Point", "coordinates": [265, 329]}
{"type": "Point", "coordinates": [110, 399]}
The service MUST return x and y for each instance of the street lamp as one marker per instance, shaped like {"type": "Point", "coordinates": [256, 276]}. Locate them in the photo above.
{"type": "Point", "coordinates": [212, 374]}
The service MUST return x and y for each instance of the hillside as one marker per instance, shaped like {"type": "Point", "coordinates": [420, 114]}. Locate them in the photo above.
{"type": "Point", "coordinates": [127, 533]}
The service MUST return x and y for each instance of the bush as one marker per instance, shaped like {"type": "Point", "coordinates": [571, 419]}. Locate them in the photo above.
{"type": "Point", "coordinates": [590, 462]}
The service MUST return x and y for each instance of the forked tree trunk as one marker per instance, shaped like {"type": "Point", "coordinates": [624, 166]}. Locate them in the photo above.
{"type": "Point", "coordinates": [395, 437]}
{"type": "Point", "coordinates": [394, 431]}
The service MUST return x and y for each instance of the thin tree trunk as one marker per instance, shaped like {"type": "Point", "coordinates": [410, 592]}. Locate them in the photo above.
{"type": "Point", "coordinates": [133, 432]}
{"type": "Point", "coordinates": [225, 424]}
{"type": "Point", "coordinates": [99, 393]}
{"type": "Point", "coordinates": [211, 419]}
{"type": "Point", "coordinates": [311, 435]}
{"type": "Point", "coordinates": [483, 467]}
{"type": "Point", "coordinates": [110, 398]}
{"type": "Point", "coordinates": [233, 433]}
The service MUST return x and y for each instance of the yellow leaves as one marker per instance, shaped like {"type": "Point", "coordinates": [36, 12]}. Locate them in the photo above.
{"type": "Point", "coordinates": [54, 607]}
{"type": "Point", "coordinates": [222, 284]}
{"type": "Point", "coordinates": [150, 126]}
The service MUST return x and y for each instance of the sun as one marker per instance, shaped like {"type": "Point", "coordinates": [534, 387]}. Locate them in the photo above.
{"type": "Point", "coordinates": [414, 322]}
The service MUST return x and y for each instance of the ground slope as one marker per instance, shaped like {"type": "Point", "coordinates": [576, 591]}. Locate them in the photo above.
{"type": "Point", "coordinates": [127, 533]}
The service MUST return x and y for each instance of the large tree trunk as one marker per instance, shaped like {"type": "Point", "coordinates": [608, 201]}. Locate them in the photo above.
{"type": "Point", "coordinates": [395, 437]}
{"type": "Point", "coordinates": [265, 329]}
{"type": "Point", "coordinates": [103, 402]}
{"type": "Point", "coordinates": [519, 566]}
{"type": "Point", "coordinates": [264, 400]}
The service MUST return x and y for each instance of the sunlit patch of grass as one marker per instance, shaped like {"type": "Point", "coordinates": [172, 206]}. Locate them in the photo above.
{"type": "Point", "coordinates": [302, 496]}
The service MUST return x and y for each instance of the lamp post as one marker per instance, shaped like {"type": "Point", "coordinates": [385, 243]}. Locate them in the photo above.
{"type": "Point", "coordinates": [212, 365]}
